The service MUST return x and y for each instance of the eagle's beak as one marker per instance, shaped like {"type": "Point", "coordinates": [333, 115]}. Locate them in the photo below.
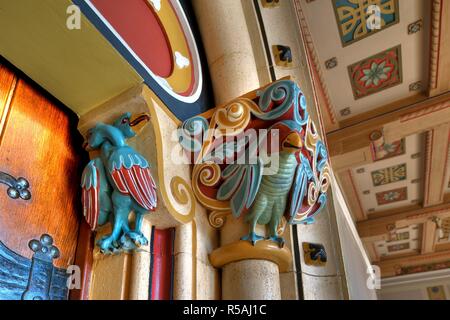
{"type": "Point", "coordinates": [293, 142]}
{"type": "Point", "coordinates": [87, 147]}
{"type": "Point", "coordinates": [138, 121]}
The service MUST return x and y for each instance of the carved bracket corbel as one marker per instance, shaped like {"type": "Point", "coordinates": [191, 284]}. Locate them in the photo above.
{"type": "Point", "coordinates": [261, 157]}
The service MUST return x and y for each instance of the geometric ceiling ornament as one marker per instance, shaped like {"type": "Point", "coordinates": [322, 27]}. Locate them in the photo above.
{"type": "Point", "coordinates": [398, 247]}
{"type": "Point", "coordinates": [416, 155]}
{"type": "Point", "coordinates": [390, 196]}
{"type": "Point", "coordinates": [358, 19]}
{"type": "Point", "coordinates": [360, 170]}
{"type": "Point", "coordinates": [345, 112]}
{"type": "Point", "coordinates": [331, 63]}
{"type": "Point", "coordinates": [415, 26]}
{"type": "Point", "coordinates": [376, 73]}
{"type": "Point", "coordinates": [389, 175]}
{"type": "Point", "coordinates": [416, 86]}
{"type": "Point", "coordinates": [399, 241]}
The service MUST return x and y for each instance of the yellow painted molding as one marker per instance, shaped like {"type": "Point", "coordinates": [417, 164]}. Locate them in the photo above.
{"type": "Point", "coordinates": [156, 142]}
{"type": "Point", "coordinates": [244, 250]}
{"type": "Point", "coordinates": [79, 67]}
{"type": "Point", "coordinates": [179, 187]}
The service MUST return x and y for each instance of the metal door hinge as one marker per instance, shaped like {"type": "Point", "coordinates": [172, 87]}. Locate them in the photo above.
{"type": "Point", "coordinates": [17, 188]}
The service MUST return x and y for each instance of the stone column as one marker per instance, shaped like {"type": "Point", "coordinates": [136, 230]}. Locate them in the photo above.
{"type": "Point", "coordinates": [251, 280]}
{"type": "Point", "coordinates": [255, 279]}
{"type": "Point", "coordinates": [228, 48]}
{"type": "Point", "coordinates": [234, 72]}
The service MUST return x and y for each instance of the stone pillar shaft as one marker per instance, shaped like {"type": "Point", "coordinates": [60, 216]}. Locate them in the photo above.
{"type": "Point", "coordinates": [228, 48]}
{"type": "Point", "coordinates": [251, 280]}
{"type": "Point", "coordinates": [234, 72]}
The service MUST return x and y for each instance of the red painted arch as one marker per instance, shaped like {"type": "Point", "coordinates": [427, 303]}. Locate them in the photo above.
{"type": "Point", "coordinates": [141, 29]}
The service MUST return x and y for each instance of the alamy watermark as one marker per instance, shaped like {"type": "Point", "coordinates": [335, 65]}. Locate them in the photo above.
{"type": "Point", "coordinates": [373, 22]}
{"type": "Point", "coordinates": [74, 277]}
{"type": "Point", "coordinates": [73, 21]}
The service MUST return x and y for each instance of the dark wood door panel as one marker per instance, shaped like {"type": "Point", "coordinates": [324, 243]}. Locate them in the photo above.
{"type": "Point", "coordinates": [7, 82]}
{"type": "Point", "coordinates": [37, 142]}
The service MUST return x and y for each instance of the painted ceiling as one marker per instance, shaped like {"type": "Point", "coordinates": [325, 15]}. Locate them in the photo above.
{"type": "Point", "coordinates": [401, 241]}
{"type": "Point", "coordinates": [395, 180]}
{"type": "Point", "coordinates": [368, 63]}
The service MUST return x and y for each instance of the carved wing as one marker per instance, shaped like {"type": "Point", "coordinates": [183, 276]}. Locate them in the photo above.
{"type": "Point", "coordinates": [90, 192]}
{"type": "Point", "coordinates": [131, 175]}
{"type": "Point", "coordinates": [299, 188]}
{"type": "Point", "coordinates": [241, 184]}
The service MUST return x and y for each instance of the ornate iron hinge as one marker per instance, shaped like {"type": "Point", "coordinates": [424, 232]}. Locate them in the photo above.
{"type": "Point", "coordinates": [17, 187]}
{"type": "Point", "coordinates": [32, 279]}
{"type": "Point", "coordinates": [42, 278]}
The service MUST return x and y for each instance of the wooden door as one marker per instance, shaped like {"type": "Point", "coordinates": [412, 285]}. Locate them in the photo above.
{"type": "Point", "coordinates": [38, 236]}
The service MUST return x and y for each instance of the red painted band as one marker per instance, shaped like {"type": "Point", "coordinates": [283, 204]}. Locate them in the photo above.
{"type": "Point", "coordinates": [162, 256]}
{"type": "Point", "coordinates": [141, 29]}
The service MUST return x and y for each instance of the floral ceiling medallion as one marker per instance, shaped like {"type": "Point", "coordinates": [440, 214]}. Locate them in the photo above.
{"type": "Point", "coordinates": [390, 196]}
{"type": "Point", "coordinates": [376, 73]}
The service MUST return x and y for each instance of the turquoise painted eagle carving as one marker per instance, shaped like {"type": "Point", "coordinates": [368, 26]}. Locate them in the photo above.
{"type": "Point", "coordinates": [117, 182]}
{"type": "Point", "coordinates": [295, 190]}
{"type": "Point", "coordinates": [267, 197]}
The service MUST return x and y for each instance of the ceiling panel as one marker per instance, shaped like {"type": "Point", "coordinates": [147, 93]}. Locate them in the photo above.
{"type": "Point", "coordinates": [392, 182]}
{"type": "Point", "coordinates": [370, 68]}
{"type": "Point", "coordinates": [401, 241]}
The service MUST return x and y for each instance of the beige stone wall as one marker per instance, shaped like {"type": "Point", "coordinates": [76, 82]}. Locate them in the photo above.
{"type": "Point", "coordinates": [238, 63]}
{"type": "Point", "coordinates": [356, 261]}
{"type": "Point", "coordinates": [126, 276]}
{"type": "Point", "coordinates": [327, 282]}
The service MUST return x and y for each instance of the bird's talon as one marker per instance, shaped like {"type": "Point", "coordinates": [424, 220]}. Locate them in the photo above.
{"type": "Point", "coordinates": [252, 237]}
{"type": "Point", "coordinates": [108, 245]}
{"type": "Point", "coordinates": [132, 240]}
{"type": "Point", "coordinates": [278, 240]}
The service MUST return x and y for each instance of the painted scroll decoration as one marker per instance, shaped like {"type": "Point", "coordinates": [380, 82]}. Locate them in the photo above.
{"type": "Point", "coordinates": [261, 158]}
{"type": "Point", "coordinates": [35, 279]}
{"type": "Point", "coordinates": [117, 182]}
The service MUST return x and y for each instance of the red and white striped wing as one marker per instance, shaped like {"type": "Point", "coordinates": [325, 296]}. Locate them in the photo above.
{"type": "Point", "coordinates": [139, 183]}
{"type": "Point", "coordinates": [90, 188]}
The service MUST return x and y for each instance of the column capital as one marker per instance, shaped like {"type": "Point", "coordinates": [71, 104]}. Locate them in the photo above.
{"type": "Point", "coordinates": [244, 250]}
{"type": "Point", "coordinates": [257, 159]}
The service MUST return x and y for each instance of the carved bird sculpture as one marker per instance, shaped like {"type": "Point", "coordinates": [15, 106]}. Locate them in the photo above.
{"type": "Point", "coordinates": [117, 182]}
{"type": "Point", "coordinates": [266, 198]}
